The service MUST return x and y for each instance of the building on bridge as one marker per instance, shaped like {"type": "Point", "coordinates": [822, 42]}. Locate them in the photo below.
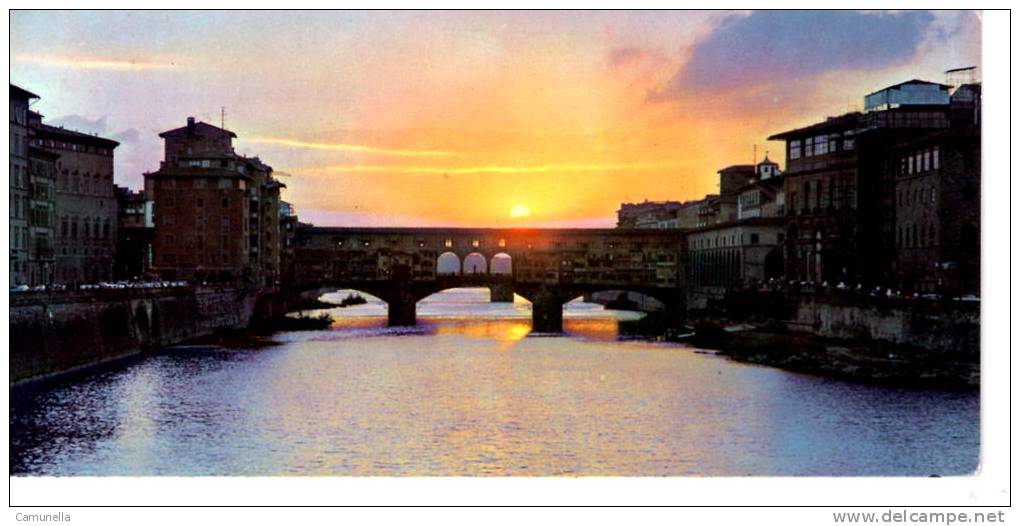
{"type": "Point", "coordinates": [216, 213]}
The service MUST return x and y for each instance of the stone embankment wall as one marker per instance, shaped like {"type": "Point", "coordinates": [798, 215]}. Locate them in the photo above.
{"type": "Point", "coordinates": [54, 333]}
{"type": "Point", "coordinates": [946, 326]}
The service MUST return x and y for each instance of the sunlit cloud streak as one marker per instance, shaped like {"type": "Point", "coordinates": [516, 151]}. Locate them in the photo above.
{"type": "Point", "coordinates": [490, 169]}
{"type": "Point", "coordinates": [358, 148]}
{"type": "Point", "coordinates": [95, 63]}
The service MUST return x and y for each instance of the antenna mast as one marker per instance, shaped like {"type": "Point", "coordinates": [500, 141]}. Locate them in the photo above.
{"type": "Point", "coordinates": [223, 117]}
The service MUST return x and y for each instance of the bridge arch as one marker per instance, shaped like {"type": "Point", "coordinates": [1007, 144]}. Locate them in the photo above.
{"type": "Point", "coordinates": [475, 263]}
{"type": "Point", "coordinates": [623, 298]}
{"type": "Point", "coordinates": [501, 264]}
{"type": "Point", "coordinates": [448, 263]}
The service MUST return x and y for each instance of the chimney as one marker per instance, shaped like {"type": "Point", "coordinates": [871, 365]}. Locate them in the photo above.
{"type": "Point", "coordinates": [191, 124]}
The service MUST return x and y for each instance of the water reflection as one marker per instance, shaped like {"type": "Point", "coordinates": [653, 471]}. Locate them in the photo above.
{"type": "Point", "coordinates": [476, 396]}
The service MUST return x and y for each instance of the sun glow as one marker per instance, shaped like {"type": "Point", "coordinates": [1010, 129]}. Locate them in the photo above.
{"type": "Point", "coordinates": [520, 211]}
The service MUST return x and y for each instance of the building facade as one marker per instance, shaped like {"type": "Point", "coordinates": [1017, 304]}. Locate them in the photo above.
{"type": "Point", "coordinates": [216, 213]}
{"type": "Point", "coordinates": [18, 184]}
{"type": "Point", "coordinates": [839, 198]}
{"type": "Point", "coordinates": [732, 256]}
{"type": "Point", "coordinates": [42, 221]}
{"type": "Point", "coordinates": [135, 231]}
{"type": "Point", "coordinates": [763, 196]}
{"type": "Point", "coordinates": [86, 222]}
{"type": "Point", "coordinates": [938, 212]}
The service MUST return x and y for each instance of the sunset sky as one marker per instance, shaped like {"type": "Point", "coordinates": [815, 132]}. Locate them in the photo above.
{"type": "Point", "coordinates": [459, 118]}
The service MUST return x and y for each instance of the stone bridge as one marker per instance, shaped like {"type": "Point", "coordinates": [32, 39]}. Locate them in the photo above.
{"type": "Point", "coordinates": [548, 267]}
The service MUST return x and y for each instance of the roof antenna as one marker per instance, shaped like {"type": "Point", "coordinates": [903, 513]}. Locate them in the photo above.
{"type": "Point", "coordinates": [223, 117]}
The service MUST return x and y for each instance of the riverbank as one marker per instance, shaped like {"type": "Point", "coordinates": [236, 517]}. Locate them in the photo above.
{"type": "Point", "coordinates": [58, 333]}
{"type": "Point", "coordinates": [856, 360]}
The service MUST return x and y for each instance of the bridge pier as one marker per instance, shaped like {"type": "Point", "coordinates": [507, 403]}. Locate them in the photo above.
{"type": "Point", "coordinates": [401, 301]}
{"type": "Point", "coordinates": [501, 293]}
{"type": "Point", "coordinates": [546, 312]}
{"type": "Point", "coordinates": [401, 313]}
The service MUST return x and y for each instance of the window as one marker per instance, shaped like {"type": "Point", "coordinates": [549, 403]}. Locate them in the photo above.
{"type": "Point", "coordinates": [225, 225]}
{"type": "Point", "coordinates": [170, 239]}
{"type": "Point", "coordinates": [809, 148]}
{"type": "Point", "coordinates": [910, 165]}
{"type": "Point", "coordinates": [198, 183]}
{"type": "Point", "coordinates": [448, 243]}
{"type": "Point", "coordinates": [225, 202]}
{"type": "Point", "coordinates": [475, 243]}
{"type": "Point", "coordinates": [502, 243]}
{"type": "Point", "coordinates": [754, 239]}
{"type": "Point", "coordinates": [927, 160]}
{"type": "Point", "coordinates": [821, 145]}
{"type": "Point", "coordinates": [169, 258]}
{"type": "Point", "coordinates": [935, 158]}
{"type": "Point", "coordinates": [795, 149]}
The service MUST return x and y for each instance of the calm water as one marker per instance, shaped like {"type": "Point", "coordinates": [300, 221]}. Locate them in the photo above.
{"type": "Point", "coordinates": [469, 393]}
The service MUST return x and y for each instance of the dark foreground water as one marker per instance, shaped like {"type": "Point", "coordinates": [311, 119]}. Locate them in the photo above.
{"type": "Point", "coordinates": [469, 393]}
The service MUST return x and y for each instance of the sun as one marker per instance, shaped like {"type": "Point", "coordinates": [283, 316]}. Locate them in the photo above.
{"type": "Point", "coordinates": [519, 211]}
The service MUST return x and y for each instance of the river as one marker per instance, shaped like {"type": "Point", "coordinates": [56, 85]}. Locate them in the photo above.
{"type": "Point", "coordinates": [469, 392]}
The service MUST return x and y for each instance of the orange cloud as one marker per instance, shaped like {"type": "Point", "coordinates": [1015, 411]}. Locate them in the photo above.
{"type": "Point", "coordinates": [491, 169]}
{"type": "Point", "coordinates": [351, 148]}
{"type": "Point", "coordinates": [95, 63]}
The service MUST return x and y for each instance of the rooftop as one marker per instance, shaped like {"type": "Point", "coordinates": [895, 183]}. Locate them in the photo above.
{"type": "Point", "coordinates": [63, 134]}
{"type": "Point", "coordinates": [198, 127]}
{"type": "Point", "coordinates": [22, 93]}
{"type": "Point", "coordinates": [912, 82]}
{"type": "Point", "coordinates": [838, 122]}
